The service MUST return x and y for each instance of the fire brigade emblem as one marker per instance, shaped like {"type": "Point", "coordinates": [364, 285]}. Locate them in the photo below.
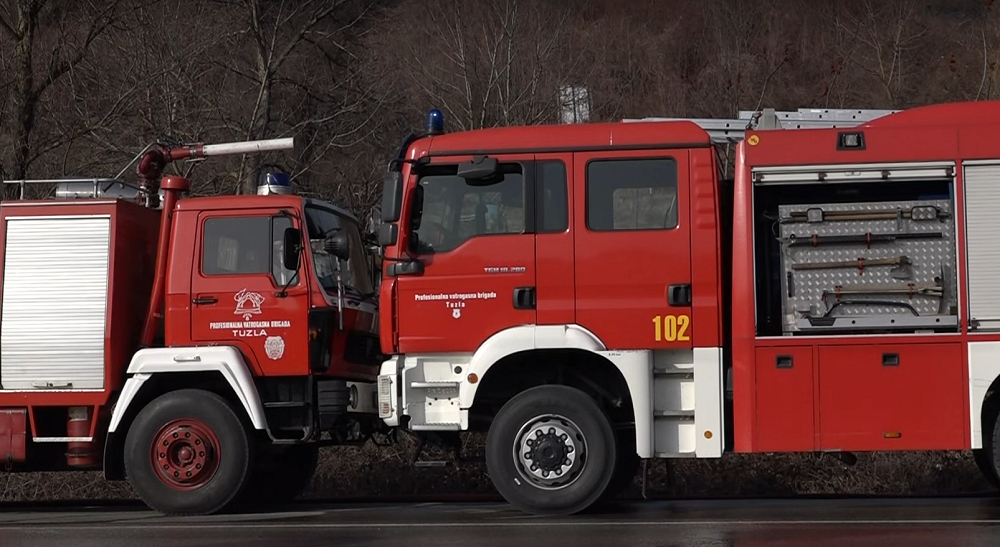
{"type": "Point", "coordinates": [247, 303]}
{"type": "Point", "coordinates": [456, 313]}
{"type": "Point", "coordinates": [274, 346]}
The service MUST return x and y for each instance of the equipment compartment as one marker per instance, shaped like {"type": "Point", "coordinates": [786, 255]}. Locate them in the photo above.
{"type": "Point", "coordinates": [891, 397]}
{"type": "Point", "coordinates": [867, 266]}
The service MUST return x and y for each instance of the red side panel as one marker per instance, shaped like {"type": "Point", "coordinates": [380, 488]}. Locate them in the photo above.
{"type": "Point", "coordinates": [891, 397]}
{"type": "Point", "coordinates": [554, 251]}
{"type": "Point", "coordinates": [705, 248]}
{"type": "Point", "coordinates": [133, 252]}
{"type": "Point", "coordinates": [13, 430]}
{"type": "Point", "coordinates": [387, 317]}
{"type": "Point", "coordinates": [744, 399]}
{"type": "Point", "coordinates": [785, 399]}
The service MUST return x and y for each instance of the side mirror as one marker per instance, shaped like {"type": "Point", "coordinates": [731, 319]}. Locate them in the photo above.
{"type": "Point", "coordinates": [392, 196]}
{"type": "Point", "coordinates": [388, 234]}
{"type": "Point", "coordinates": [292, 248]}
{"type": "Point", "coordinates": [338, 245]}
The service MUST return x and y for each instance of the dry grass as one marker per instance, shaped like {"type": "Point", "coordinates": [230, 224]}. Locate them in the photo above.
{"type": "Point", "coordinates": [372, 471]}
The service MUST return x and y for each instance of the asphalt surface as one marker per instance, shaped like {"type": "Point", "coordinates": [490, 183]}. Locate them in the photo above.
{"type": "Point", "coordinates": [966, 522]}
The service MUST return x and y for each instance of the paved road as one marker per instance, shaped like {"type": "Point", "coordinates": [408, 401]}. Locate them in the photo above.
{"type": "Point", "coordinates": [966, 522]}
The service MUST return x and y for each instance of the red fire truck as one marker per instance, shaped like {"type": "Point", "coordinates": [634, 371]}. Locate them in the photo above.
{"type": "Point", "coordinates": [595, 295]}
{"type": "Point", "coordinates": [203, 348]}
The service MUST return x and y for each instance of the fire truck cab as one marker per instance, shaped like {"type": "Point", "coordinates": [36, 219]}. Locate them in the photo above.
{"type": "Point", "coordinates": [593, 295]}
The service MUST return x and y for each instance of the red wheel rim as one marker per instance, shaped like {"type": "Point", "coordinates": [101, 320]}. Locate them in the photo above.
{"type": "Point", "coordinates": [185, 454]}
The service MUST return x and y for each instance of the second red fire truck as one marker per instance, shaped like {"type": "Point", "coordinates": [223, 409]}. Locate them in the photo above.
{"type": "Point", "coordinates": [592, 295]}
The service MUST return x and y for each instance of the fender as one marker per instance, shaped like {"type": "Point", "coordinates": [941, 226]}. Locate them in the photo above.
{"type": "Point", "coordinates": [524, 338]}
{"type": "Point", "coordinates": [225, 360]}
{"type": "Point", "coordinates": [984, 369]}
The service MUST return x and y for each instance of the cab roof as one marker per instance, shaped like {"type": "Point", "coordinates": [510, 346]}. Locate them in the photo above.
{"type": "Point", "coordinates": [250, 201]}
{"type": "Point", "coordinates": [566, 138]}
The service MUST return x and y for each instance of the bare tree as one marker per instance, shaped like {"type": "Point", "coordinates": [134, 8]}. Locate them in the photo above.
{"type": "Point", "coordinates": [45, 49]}
{"type": "Point", "coordinates": [889, 30]}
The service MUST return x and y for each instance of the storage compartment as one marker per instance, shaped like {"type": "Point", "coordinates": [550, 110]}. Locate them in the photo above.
{"type": "Point", "coordinates": [891, 397]}
{"type": "Point", "coordinates": [785, 410]}
{"type": "Point", "coordinates": [76, 278]}
{"type": "Point", "coordinates": [873, 257]}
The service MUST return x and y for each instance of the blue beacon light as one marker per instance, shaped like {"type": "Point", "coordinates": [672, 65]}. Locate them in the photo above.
{"type": "Point", "coordinates": [274, 182]}
{"type": "Point", "coordinates": [435, 122]}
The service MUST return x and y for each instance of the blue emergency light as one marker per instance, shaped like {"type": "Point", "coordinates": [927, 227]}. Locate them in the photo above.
{"type": "Point", "coordinates": [435, 122]}
{"type": "Point", "coordinates": [274, 182]}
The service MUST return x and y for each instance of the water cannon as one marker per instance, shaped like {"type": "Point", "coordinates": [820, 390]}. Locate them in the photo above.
{"type": "Point", "coordinates": [435, 122]}
{"type": "Point", "coordinates": [156, 156]}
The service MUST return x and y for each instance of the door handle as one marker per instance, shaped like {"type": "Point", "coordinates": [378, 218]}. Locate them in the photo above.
{"type": "Point", "coordinates": [204, 300]}
{"type": "Point", "coordinates": [679, 295]}
{"type": "Point", "coordinates": [524, 298]}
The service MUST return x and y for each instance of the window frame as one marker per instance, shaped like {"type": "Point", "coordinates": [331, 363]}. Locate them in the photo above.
{"type": "Point", "coordinates": [449, 169]}
{"type": "Point", "coordinates": [539, 201]}
{"type": "Point", "coordinates": [270, 218]}
{"type": "Point", "coordinates": [356, 246]}
{"type": "Point", "coordinates": [675, 164]}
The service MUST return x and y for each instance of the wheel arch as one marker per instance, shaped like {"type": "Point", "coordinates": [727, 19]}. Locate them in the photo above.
{"type": "Point", "coordinates": [988, 414]}
{"type": "Point", "coordinates": [156, 371]}
{"type": "Point", "coordinates": [521, 340]}
{"type": "Point", "coordinates": [583, 369]}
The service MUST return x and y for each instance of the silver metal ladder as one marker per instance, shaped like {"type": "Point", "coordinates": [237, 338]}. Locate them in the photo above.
{"type": "Point", "coordinates": [723, 130]}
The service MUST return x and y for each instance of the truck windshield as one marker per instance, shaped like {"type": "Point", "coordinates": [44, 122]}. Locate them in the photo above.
{"type": "Point", "coordinates": [354, 272]}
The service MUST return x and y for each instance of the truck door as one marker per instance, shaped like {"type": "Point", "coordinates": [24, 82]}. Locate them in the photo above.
{"type": "Point", "coordinates": [478, 253]}
{"type": "Point", "coordinates": [633, 250]}
{"type": "Point", "coordinates": [235, 285]}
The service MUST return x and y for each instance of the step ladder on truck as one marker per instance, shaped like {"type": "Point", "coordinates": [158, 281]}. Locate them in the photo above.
{"type": "Point", "coordinates": [592, 296]}
{"type": "Point", "coordinates": [202, 348]}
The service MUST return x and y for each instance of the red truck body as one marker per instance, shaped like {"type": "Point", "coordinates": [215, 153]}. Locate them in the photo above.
{"type": "Point", "coordinates": [550, 285]}
{"type": "Point", "coordinates": [203, 348]}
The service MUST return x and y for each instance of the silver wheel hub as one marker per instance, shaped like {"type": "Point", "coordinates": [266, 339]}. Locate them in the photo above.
{"type": "Point", "coordinates": [550, 451]}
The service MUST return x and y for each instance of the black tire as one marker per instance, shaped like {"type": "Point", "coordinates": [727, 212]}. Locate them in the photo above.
{"type": "Point", "coordinates": [984, 461]}
{"type": "Point", "coordinates": [199, 419]}
{"type": "Point", "coordinates": [592, 458]}
{"type": "Point", "coordinates": [991, 455]}
{"type": "Point", "coordinates": [626, 467]}
{"type": "Point", "coordinates": [285, 474]}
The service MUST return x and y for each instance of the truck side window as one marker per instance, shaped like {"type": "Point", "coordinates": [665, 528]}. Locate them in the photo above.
{"type": "Point", "coordinates": [244, 246]}
{"type": "Point", "coordinates": [632, 194]}
{"type": "Point", "coordinates": [455, 211]}
{"type": "Point", "coordinates": [552, 201]}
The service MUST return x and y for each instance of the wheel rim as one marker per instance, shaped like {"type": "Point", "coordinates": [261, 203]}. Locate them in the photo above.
{"type": "Point", "coordinates": [550, 452]}
{"type": "Point", "coordinates": [185, 454]}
